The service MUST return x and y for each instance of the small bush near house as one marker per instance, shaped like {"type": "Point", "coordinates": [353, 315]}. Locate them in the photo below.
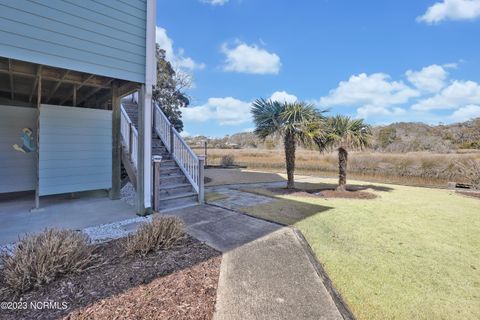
{"type": "Point", "coordinates": [161, 233]}
{"type": "Point", "coordinates": [227, 161]}
{"type": "Point", "coordinates": [39, 259]}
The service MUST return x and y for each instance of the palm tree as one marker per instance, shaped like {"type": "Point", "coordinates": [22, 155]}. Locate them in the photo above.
{"type": "Point", "coordinates": [296, 122]}
{"type": "Point", "coordinates": [344, 133]}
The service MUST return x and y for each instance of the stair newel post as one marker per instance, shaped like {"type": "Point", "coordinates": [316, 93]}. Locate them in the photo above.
{"type": "Point", "coordinates": [156, 182]}
{"type": "Point", "coordinates": [172, 139]}
{"type": "Point", "coordinates": [130, 142]}
{"type": "Point", "coordinates": [201, 182]}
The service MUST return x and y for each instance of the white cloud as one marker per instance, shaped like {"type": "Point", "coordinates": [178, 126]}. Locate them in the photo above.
{"type": "Point", "coordinates": [458, 94]}
{"type": "Point", "coordinates": [250, 59]}
{"type": "Point", "coordinates": [283, 96]}
{"type": "Point", "coordinates": [429, 79]}
{"type": "Point", "coordinates": [178, 58]}
{"type": "Point", "coordinates": [376, 89]}
{"type": "Point", "coordinates": [466, 113]}
{"type": "Point", "coordinates": [227, 111]}
{"type": "Point", "coordinates": [215, 2]}
{"type": "Point", "coordinates": [369, 111]}
{"type": "Point", "coordinates": [451, 10]}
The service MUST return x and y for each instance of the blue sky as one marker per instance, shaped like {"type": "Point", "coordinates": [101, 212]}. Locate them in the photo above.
{"type": "Point", "coordinates": [385, 61]}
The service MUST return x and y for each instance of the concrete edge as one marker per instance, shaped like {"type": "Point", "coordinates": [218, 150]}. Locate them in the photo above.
{"type": "Point", "coordinates": [342, 306]}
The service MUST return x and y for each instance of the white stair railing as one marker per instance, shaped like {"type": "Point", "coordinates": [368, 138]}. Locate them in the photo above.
{"type": "Point", "coordinates": [129, 137]}
{"type": "Point", "coordinates": [191, 164]}
{"type": "Point", "coordinates": [163, 128]}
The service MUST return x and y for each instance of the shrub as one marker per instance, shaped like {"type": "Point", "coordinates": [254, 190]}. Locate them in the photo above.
{"type": "Point", "coordinates": [39, 259]}
{"type": "Point", "coordinates": [470, 172]}
{"type": "Point", "coordinates": [161, 233]}
{"type": "Point", "coordinates": [227, 160]}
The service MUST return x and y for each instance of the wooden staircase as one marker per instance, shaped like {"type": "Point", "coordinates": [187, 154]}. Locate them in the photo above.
{"type": "Point", "coordinates": [175, 189]}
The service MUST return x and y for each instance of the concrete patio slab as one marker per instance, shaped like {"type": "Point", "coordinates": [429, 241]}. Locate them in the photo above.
{"type": "Point", "coordinates": [236, 200]}
{"type": "Point", "coordinates": [85, 210]}
{"type": "Point", "coordinates": [272, 278]}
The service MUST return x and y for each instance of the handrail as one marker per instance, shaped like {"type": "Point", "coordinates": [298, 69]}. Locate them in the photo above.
{"type": "Point", "coordinates": [129, 136]}
{"type": "Point", "coordinates": [187, 160]}
{"type": "Point", "coordinates": [185, 144]}
{"type": "Point", "coordinates": [162, 126]}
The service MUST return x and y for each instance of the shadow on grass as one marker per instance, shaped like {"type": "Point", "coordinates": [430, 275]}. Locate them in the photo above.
{"type": "Point", "coordinates": [283, 211]}
{"type": "Point", "coordinates": [217, 177]}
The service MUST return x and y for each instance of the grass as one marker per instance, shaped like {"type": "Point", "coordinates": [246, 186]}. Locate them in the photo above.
{"type": "Point", "coordinates": [214, 196]}
{"type": "Point", "coordinates": [411, 253]}
{"type": "Point", "coordinates": [415, 168]}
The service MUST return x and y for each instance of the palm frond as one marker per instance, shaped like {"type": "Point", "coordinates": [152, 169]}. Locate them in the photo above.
{"type": "Point", "coordinates": [266, 116]}
{"type": "Point", "coordinates": [342, 131]}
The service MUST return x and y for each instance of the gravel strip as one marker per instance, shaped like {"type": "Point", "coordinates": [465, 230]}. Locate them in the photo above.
{"type": "Point", "coordinates": [101, 233]}
{"type": "Point", "coordinates": [128, 194]}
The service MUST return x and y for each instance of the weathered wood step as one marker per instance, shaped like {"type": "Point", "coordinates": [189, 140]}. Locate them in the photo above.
{"type": "Point", "coordinates": [172, 179]}
{"type": "Point", "coordinates": [177, 200]}
{"type": "Point", "coordinates": [172, 190]}
{"type": "Point", "coordinates": [175, 186]}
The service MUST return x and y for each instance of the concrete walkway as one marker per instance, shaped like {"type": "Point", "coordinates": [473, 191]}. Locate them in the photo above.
{"type": "Point", "coordinates": [266, 272]}
{"type": "Point", "coordinates": [223, 229]}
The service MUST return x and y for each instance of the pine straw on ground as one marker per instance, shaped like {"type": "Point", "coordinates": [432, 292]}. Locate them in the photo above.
{"type": "Point", "coordinates": [180, 283]}
{"type": "Point", "coordinates": [351, 193]}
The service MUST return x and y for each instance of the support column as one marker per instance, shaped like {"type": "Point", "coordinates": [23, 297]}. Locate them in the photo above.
{"type": "Point", "coordinates": [37, 147]}
{"type": "Point", "coordinates": [144, 160]}
{"type": "Point", "coordinates": [116, 145]}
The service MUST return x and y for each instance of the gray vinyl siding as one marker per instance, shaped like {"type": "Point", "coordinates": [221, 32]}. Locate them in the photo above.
{"type": "Point", "coordinates": [17, 170]}
{"type": "Point", "coordinates": [104, 37]}
{"type": "Point", "coordinates": [75, 149]}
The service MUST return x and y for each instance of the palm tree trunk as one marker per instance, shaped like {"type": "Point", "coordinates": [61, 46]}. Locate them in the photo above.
{"type": "Point", "coordinates": [290, 146]}
{"type": "Point", "coordinates": [342, 169]}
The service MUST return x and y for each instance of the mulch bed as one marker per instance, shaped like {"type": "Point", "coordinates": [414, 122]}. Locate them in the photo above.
{"type": "Point", "coordinates": [470, 194]}
{"type": "Point", "coordinates": [180, 283]}
{"type": "Point", "coordinates": [324, 193]}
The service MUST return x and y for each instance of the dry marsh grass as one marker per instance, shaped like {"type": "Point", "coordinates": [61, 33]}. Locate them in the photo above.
{"type": "Point", "coordinates": [415, 168]}
{"type": "Point", "coordinates": [163, 232]}
{"type": "Point", "coordinates": [41, 258]}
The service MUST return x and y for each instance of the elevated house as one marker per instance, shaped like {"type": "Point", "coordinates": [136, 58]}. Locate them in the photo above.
{"type": "Point", "coordinates": [65, 125]}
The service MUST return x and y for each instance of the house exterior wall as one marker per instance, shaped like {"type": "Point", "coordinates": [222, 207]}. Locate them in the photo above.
{"type": "Point", "coordinates": [17, 169]}
{"type": "Point", "coordinates": [104, 37]}
{"type": "Point", "coordinates": [75, 149]}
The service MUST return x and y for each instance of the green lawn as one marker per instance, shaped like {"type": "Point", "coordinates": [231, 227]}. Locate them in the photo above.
{"type": "Point", "coordinates": [412, 253]}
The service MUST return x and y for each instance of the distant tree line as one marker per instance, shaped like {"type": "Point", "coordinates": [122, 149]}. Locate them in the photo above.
{"type": "Point", "coordinates": [397, 137]}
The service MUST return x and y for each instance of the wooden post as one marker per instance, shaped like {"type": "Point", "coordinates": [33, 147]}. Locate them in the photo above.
{"type": "Point", "coordinates": [141, 210]}
{"type": "Point", "coordinates": [156, 183]}
{"type": "Point", "coordinates": [201, 179]}
{"type": "Point", "coordinates": [39, 102]}
{"type": "Point", "coordinates": [172, 148]}
{"type": "Point", "coordinates": [130, 142]}
{"type": "Point", "coordinates": [116, 145]}
{"type": "Point", "coordinates": [75, 96]}
{"type": "Point", "coordinates": [206, 147]}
